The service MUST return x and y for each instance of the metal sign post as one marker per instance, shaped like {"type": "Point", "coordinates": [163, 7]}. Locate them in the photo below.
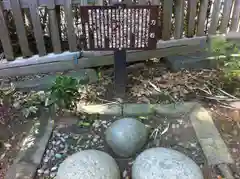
{"type": "Point", "coordinates": [119, 28]}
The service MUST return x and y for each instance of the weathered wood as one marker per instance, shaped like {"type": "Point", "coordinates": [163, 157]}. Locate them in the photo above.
{"type": "Point", "coordinates": [155, 2]}
{"type": "Point", "coordinates": [191, 14]}
{"type": "Point", "coordinates": [215, 17]}
{"type": "Point", "coordinates": [21, 32]}
{"type": "Point", "coordinates": [54, 31]}
{"type": "Point", "coordinates": [64, 61]}
{"type": "Point", "coordinates": [235, 17]}
{"type": "Point", "coordinates": [4, 37]}
{"type": "Point", "coordinates": [179, 16]}
{"type": "Point", "coordinates": [37, 28]}
{"type": "Point", "coordinates": [202, 17]}
{"type": "Point", "coordinates": [67, 64]}
{"type": "Point", "coordinates": [167, 16]}
{"type": "Point", "coordinates": [72, 41]}
{"type": "Point", "coordinates": [100, 2]}
{"type": "Point", "coordinates": [142, 2]}
{"type": "Point", "coordinates": [227, 7]}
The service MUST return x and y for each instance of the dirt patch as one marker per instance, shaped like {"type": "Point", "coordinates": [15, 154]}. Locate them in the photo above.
{"type": "Point", "coordinates": [13, 128]}
{"type": "Point", "coordinates": [229, 129]}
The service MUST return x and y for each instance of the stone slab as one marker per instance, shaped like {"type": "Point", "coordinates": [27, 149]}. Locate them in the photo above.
{"type": "Point", "coordinates": [108, 109]}
{"type": "Point", "coordinates": [137, 109]}
{"type": "Point", "coordinates": [32, 150]}
{"type": "Point", "coordinates": [174, 110]}
{"type": "Point", "coordinates": [194, 61]}
{"type": "Point", "coordinates": [85, 76]}
{"type": "Point", "coordinates": [210, 140]}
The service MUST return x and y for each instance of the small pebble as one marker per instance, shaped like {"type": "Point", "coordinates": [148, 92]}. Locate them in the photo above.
{"type": "Point", "coordinates": [124, 173]}
{"type": "Point", "coordinates": [58, 134]}
{"type": "Point", "coordinates": [45, 160]}
{"type": "Point", "coordinates": [53, 142]}
{"type": "Point", "coordinates": [40, 171]}
{"type": "Point", "coordinates": [66, 137]}
{"type": "Point", "coordinates": [173, 126]}
{"type": "Point", "coordinates": [52, 175]}
{"type": "Point", "coordinates": [95, 140]}
{"type": "Point", "coordinates": [58, 156]}
{"type": "Point", "coordinates": [58, 142]}
{"type": "Point", "coordinates": [53, 169]}
{"type": "Point", "coordinates": [234, 150]}
{"type": "Point", "coordinates": [62, 139]}
{"type": "Point", "coordinates": [46, 172]}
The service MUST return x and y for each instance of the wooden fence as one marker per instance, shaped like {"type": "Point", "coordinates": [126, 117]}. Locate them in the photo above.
{"type": "Point", "coordinates": [177, 19]}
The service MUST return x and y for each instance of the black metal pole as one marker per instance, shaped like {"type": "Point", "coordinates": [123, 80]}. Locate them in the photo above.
{"type": "Point", "coordinates": [120, 73]}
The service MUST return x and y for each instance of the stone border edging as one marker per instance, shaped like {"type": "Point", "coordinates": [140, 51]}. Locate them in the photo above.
{"type": "Point", "coordinates": [29, 157]}
{"type": "Point", "coordinates": [134, 109]}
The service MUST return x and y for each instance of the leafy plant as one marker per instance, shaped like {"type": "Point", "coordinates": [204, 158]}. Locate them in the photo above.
{"type": "Point", "coordinates": [64, 93]}
{"type": "Point", "coordinates": [227, 63]}
{"type": "Point", "coordinates": [32, 102]}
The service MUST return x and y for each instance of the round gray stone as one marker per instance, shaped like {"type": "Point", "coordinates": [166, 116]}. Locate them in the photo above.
{"type": "Point", "coordinates": [126, 136]}
{"type": "Point", "coordinates": [163, 163]}
{"type": "Point", "coordinates": [89, 164]}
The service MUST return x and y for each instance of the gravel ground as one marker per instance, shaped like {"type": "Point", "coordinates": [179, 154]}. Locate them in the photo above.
{"type": "Point", "coordinates": [68, 139]}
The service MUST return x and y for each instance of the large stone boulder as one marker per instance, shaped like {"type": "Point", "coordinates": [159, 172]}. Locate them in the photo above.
{"type": "Point", "coordinates": [126, 136]}
{"type": "Point", "coordinates": [89, 164]}
{"type": "Point", "coordinates": [163, 163]}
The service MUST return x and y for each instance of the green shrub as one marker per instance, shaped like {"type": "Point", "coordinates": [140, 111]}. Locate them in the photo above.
{"type": "Point", "coordinates": [64, 92]}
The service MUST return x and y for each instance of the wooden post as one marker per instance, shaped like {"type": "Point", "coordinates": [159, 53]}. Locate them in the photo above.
{"type": "Point", "coordinates": [214, 17]}
{"type": "Point", "coordinates": [179, 17]}
{"type": "Point", "coordinates": [72, 41]}
{"type": "Point", "coordinates": [120, 73]}
{"type": "Point", "coordinates": [54, 27]}
{"type": "Point", "coordinates": [227, 7]}
{"type": "Point", "coordinates": [21, 32]}
{"type": "Point", "coordinates": [236, 14]}
{"type": "Point", "coordinates": [37, 28]}
{"type": "Point", "coordinates": [167, 16]}
{"type": "Point", "coordinates": [4, 36]}
{"type": "Point", "coordinates": [191, 14]}
{"type": "Point", "coordinates": [202, 17]}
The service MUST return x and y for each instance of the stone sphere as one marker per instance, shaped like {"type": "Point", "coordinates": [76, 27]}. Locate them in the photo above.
{"type": "Point", "coordinates": [126, 136]}
{"type": "Point", "coordinates": [88, 164]}
{"type": "Point", "coordinates": [163, 163]}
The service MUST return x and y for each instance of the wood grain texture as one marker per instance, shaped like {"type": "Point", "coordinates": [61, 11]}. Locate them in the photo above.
{"type": "Point", "coordinates": [202, 18]}
{"type": "Point", "coordinates": [191, 15]}
{"type": "Point", "coordinates": [37, 28]}
{"type": "Point", "coordinates": [54, 31]}
{"type": "Point", "coordinates": [20, 29]}
{"type": "Point", "coordinates": [72, 41]}
{"type": "Point", "coordinates": [235, 17]}
{"type": "Point", "coordinates": [227, 7]}
{"type": "Point", "coordinates": [4, 37]}
{"type": "Point", "coordinates": [179, 16]}
{"type": "Point", "coordinates": [167, 16]}
{"type": "Point", "coordinates": [215, 17]}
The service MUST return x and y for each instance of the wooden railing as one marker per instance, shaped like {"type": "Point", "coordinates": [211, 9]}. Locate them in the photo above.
{"type": "Point", "coordinates": [177, 19]}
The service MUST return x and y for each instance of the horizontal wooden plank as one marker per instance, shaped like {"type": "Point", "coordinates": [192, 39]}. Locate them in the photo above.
{"type": "Point", "coordinates": [68, 63]}
{"type": "Point", "coordinates": [34, 60]}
